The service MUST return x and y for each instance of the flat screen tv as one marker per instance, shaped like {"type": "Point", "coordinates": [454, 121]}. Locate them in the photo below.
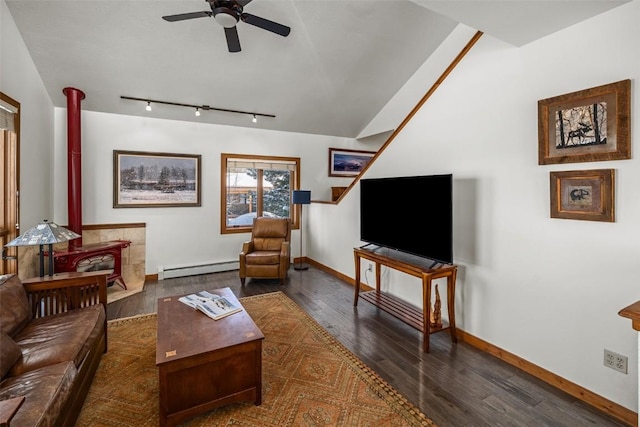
{"type": "Point", "coordinates": [412, 214]}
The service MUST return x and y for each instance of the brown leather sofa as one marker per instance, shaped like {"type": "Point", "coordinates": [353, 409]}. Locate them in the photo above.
{"type": "Point", "coordinates": [267, 254]}
{"type": "Point", "coordinates": [53, 332]}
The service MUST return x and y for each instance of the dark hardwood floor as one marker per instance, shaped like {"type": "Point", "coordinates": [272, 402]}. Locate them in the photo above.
{"type": "Point", "coordinates": [455, 384]}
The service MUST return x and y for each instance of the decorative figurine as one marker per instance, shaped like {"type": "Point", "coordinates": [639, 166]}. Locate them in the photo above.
{"type": "Point", "coordinates": [436, 315]}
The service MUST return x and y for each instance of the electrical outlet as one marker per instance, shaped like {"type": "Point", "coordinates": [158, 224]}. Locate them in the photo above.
{"type": "Point", "coordinates": [615, 361]}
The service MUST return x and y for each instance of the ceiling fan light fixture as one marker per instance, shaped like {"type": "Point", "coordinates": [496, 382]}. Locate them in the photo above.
{"type": "Point", "coordinates": [225, 17]}
{"type": "Point", "coordinates": [148, 107]}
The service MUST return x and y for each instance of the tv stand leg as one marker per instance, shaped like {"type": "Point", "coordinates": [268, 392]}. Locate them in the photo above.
{"type": "Point", "coordinates": [356, 285]}
{"type": "Point", "coordinates": [426, 312]}
{"type": "Point", "coordinates": [451, 292]}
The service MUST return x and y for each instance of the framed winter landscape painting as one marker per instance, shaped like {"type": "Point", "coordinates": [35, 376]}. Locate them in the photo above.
{"type": "Point", "coordinates": [586, 126]}
{"type": "Point", "coordinates": [147, 180]}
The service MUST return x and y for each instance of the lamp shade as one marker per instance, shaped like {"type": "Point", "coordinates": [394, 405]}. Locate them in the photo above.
{"type": "Point", "coordinates": [44, 233]}
{"type": "Point", "coordinates": [301, 197]}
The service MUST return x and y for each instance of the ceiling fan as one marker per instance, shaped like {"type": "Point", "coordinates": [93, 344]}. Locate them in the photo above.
{"type": "Point", "coordinates": [228, 13]}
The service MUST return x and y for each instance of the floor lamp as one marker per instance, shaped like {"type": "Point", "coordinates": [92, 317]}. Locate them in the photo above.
{"type": "Point", "coordinates": [301, 197]}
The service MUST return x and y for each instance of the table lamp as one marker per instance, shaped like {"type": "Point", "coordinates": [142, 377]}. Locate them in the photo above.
{"type": "Point", "coordinates": [44, 233]}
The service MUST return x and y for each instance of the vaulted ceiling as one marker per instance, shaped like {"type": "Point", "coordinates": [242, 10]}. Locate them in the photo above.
{"type": "Point", "coordinates": [341, 63]}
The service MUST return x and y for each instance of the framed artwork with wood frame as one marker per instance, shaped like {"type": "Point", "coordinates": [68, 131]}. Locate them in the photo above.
{"type": "Point", "coordinates": [586, 126]}
{"type": "Point", "coordinates": [152, 180]}
{"type": "Point", "coordinates": [586, 195]}
{"type": "Point", "coordinates": [344, 162]}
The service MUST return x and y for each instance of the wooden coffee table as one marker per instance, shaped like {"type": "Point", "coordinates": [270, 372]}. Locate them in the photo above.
{"type": "Point", "coordinates": [205, 363]}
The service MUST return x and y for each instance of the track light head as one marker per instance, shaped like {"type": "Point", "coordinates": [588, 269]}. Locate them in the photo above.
{"type": "Point", "coordinates": [148, 108]}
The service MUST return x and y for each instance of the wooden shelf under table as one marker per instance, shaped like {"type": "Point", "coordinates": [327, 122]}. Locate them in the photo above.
{"type": "Point", "coordinates": [400, 309]}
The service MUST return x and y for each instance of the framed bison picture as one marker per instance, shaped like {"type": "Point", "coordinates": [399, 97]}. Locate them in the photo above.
{"type": "Point", "coordinates": [586, 195]}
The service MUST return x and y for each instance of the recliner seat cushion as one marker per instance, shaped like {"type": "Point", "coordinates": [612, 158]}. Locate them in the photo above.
{"type": "Point", "coordinates": [46, 392]}
{"type": "Point", "coordinates": [14, 305]}
{"type": "Point", "coordinates": [263, 258]}
{"type": "Point", "coordinates": [64, 337]}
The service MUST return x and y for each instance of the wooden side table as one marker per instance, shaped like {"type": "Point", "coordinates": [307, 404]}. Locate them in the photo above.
{"type": "Point", "coordinates": [427, 271]}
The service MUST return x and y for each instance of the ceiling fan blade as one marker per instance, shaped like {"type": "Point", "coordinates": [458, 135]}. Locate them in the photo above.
{"type": "Point", "coordinates": [233, 42]}
{"type": "Point", "coordinates": [265, 24]}
{"type": "Point", "coordinates": [243, 3]}
{"type": "Point", "coordinates": [183, 16]}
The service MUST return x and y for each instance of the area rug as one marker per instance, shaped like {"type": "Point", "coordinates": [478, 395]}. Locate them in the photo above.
{"type": "Point", "coordinates": [309, 378]}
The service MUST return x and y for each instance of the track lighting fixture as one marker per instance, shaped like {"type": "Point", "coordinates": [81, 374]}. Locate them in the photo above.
{"type": "Point", "coordinates": [197, 107]}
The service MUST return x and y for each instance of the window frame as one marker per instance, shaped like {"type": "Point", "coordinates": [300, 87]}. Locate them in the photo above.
{"type": "Point", "coordinates": [295, 185]}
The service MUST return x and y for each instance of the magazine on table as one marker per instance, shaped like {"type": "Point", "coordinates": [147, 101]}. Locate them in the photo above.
{"type": "Point", "coordinates": [214, 306]}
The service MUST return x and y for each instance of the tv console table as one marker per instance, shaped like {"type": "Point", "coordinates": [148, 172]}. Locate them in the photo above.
{"type": "Point", "coordinates": [424, 269]}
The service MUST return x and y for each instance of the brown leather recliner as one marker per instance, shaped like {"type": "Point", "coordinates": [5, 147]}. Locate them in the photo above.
{"type": "Point", "coordinates": [267, 254]}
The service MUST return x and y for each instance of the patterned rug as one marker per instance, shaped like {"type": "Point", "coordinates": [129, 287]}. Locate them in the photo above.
{"type": "Point", "coordinates": [309, 378]}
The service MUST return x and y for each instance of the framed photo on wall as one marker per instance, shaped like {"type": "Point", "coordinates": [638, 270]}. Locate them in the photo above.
{"type": "Point", "coordinates": [586, 195]}
{"type": "Point", "coordinates": [586, 126]}
{"type": "Point", "coordinates": [151, 180]}
{"type": "Point", "coordinates": [348, 162]}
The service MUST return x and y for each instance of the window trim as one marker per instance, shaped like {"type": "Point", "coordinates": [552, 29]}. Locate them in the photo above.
{"type": "Point", "coordinates": [224, 159]}
{"type": "Point", "coordinates": [10, 226]}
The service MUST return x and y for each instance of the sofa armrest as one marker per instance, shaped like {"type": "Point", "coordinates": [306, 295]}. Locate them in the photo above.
{"type": "Point", "coordinates": [66, 291]}
{"type": "Point", "coordinates": [8, 409]}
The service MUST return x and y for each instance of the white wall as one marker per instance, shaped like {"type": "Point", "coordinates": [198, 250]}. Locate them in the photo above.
{"type": "Point", "coordinates": [547, 290]}
{"type": "Point", "coordinates": [20, 80]}
{"type": "Point", "coordinates": [179, 236]}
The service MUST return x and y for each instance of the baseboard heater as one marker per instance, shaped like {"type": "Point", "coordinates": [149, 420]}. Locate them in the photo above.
{"type": "Point", "coordinates": [193, 270]}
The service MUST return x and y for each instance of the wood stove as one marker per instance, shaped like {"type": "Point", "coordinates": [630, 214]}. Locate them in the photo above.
{"type": "Point", "coordinates": [98, 256]}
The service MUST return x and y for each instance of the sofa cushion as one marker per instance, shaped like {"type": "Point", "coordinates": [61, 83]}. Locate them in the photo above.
{"type": "Point", "coordinates": [9, 353]}
{"type": "Point", "coordinates": [14, 305]}
{"type": "Point", "coordinates": [46, 392]}
{"type": "Point", "coordinates": [62, 337]}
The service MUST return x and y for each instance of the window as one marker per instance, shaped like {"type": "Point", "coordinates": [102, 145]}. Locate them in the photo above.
{"type": "Point", "coordinates": [254, 186]}
{"type": "Point", "coordinates": [9, 177]}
